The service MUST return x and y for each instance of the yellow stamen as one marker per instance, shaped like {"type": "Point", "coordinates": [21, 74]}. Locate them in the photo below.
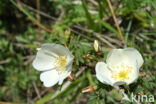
{"type": "Point", "coordinates": [62, 63]}
{"type": "Point", "coordinates": [121, 72]}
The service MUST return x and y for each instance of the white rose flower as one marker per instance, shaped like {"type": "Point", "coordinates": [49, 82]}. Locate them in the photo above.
{"type": "Point", "coordinates": [56, 63]}
{"type": "Point", "coordinates": [122, 66]}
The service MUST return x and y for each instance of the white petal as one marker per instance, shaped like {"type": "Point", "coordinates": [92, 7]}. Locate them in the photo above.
{"type": "Point", "coordinates": [63, 75]}
{"type": "Point", "coordinates": [49, 78]}
{"type": "Point", "coordinates": [133, 55]}
{"type": "Point", "coordinates": [57, 49]}
{"type": "Point", "coordinates": [118, 83]}
{"type": "Point", "coordinates": [129, 55]}
{"type": "Point", "coordinates": [69, 61]}
{"type": "Point", "coordinates": [114, 57]}
{"type": "Point", "coordinates": [133, 76]}
{"type": "Point", "coordinates": [103, 74]}
{"type": "Point", "coordinates": [43, 61]}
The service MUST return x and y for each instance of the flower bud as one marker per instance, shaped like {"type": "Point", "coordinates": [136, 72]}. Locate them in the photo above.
{"type": "Point", "coordinates": [89, 89]}
{"type": "Point", "coordinates": [38, 49]}
{"type": "Point", "coordinates": [97, 46]}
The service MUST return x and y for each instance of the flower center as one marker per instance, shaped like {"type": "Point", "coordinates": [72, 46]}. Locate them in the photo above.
{"type": "Point", "coordinates": [121, 72]}
{"type": "Point", "coordinates": [61, 63]}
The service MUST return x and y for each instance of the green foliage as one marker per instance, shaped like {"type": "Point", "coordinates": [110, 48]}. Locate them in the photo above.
{"type": "Point", "coordinates": [138, 21]}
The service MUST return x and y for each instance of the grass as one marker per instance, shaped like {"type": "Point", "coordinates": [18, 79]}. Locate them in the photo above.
{"type": "Point", "coordinates": [75, 26]}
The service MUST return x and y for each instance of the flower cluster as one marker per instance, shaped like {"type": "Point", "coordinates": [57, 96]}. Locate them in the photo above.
{"type": "Point", "coordinates": [55, 62]}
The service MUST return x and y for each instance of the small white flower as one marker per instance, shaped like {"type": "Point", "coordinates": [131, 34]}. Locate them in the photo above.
{"type": "Point", "coordinates": [56, 63]}
{"type": "Point", "coordinates": [122, 66]}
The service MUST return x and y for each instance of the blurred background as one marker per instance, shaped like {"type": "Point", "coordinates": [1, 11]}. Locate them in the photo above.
{"type": "Point", "coordinates": [26, 24]}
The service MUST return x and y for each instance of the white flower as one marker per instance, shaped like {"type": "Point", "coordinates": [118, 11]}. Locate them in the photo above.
{"type": "Point", "coordinates": [56, 63]}
{"type": "Point", "coordinates": [122, 66]}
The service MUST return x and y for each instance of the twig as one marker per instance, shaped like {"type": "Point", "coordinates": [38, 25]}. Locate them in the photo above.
{"type": "Point", "coordinates": [4, 62]}
{"type": "Point", "coordinates": [40, 12]}
{"type": "Point", "coordinates": [74, 31]}
{"type": "Point", "coordinates": [115, 20]}
{"type": "Point", "coordinates": [36, 90]}
{"type": "Point", "coordinates": [52, 18]}
{"type": "Point", "coordinates": [97, 35]}
{"type": "Point", "coordinates": [38, 8]}
{"type": "Point", "coordinates": [113, 40]}
{"type": "Point", "coordinates": [75, 26]}
{"type": "Point", "coordinates": [29, 93]}
{"type": "Point", "coordinates": [105, 41]}
{"type": "Point", "coordinates": [35, 22]}
{"type": "Point", "coordinates": [42, 93]}
{"type": "Point", "coordinates": [18, 4]}
{"type": "Point", "coordinates": [8, 103]}
{"type": "Point", "coordinates": [94, 2]}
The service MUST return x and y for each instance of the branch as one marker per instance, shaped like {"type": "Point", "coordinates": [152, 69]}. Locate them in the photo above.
{"type": "Point", "coordinates": [115, 20]}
